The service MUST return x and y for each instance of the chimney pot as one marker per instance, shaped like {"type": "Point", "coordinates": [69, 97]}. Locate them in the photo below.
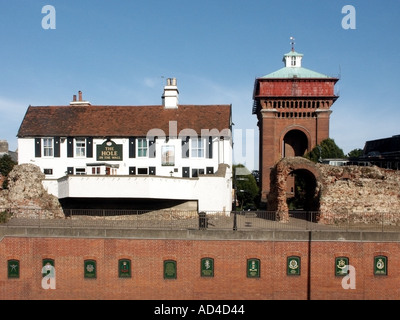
{"type": "Point", "coordinates": [74, 98]}
{"type": "Point", "coordinates": [80, 95]}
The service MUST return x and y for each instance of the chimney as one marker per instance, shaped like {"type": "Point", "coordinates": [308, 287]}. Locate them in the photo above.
{"type": "Point", "coordinates": [80, 101]}
{"type": "Point", "coordinates": [170, 95]}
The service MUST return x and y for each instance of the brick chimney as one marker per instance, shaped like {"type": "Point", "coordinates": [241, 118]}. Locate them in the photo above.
{"type": "Point", "coordinates": [80, 101]}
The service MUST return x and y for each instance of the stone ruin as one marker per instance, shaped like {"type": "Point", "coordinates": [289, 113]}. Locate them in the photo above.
{"type": "Point", "coordinates": [340, 193]}
{"type": "Point", "coordinates": [26, 196]}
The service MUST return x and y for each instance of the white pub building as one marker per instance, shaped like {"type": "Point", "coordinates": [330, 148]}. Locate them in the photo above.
{"type": "Point", "coordinates": [137, 157]}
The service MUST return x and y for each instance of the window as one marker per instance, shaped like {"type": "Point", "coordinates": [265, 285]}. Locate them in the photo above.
{"type": "Point", "coordinates": [80, 171]}
{"type": "Point", "coordinates": [197, 148]}
{"type": "Point", "coordinates": [293, 61]}
{"type": "Point", "coordinates": [48, 171]}
{"type": "Point", "coordinates": [80, 147]}
{"type": "Point", "coordinates": [196, 172]}
{"type": "Point", "coordinates": [142, 147]}
{"type": "Point", "coordinates": [142, 170]}
{"type": "Point", "coordinates": [48, 147]}
{"type": "Point", "coordinates": [96, 170]}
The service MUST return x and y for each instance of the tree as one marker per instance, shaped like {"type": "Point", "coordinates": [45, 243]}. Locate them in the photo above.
{"type": "Point", "coordinates": [355, 153]}
{"type": "Point", "coordinates": [327, 149]}
{"type": "Point", "coordinates": [6, 165]}
{"type": "Point", "coordinates": [245, 185]}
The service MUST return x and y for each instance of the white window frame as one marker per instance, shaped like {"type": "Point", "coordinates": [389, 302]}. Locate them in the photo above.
{"type": "Point", "coordinates": [293, 61]}
{"type": "Point", "coordinates": [80, 147]}
{"type": "Point", "coordinates": [141, 148]}
{"type": "Point", "coordinates": [48, 147]}
{"type": "Point", "coordinates": [198, 146]}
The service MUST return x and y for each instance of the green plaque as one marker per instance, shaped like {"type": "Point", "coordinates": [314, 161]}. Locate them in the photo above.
{"type": "Point", "coordinates": [124, 268]}
{"type": "Point", "coordinates": [90, 269]}
{"type": "Point", "coordinates": [341, 266]}
{"type": "Point", "coordinates": [293, 266]}
{"type": "Point", "coordinates": [109, 151]}
{"type": "Point", "coordinates": [47, 266]}
{"type": "Point", "coordinates": [169, 269]}
{"type": "Point", "coordinates": [380, 265]}
{"type": "Point", "coordinates": [207, 267]}
{"type": "Point", "coordinates": [253, 268]}
{"type": "Point", "coordinates": [13, 268]}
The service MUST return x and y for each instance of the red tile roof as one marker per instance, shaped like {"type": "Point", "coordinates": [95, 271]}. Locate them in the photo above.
{"type": "Point", "coordinates": [121, 121]}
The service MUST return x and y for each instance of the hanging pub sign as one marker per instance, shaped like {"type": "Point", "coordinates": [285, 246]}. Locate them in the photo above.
{"type": "Point", "coordinates": [380, 265]}
{"type": "Point", "coordinates": [109, 151]}
{"type": "Point", "coordinates": [293, 266]}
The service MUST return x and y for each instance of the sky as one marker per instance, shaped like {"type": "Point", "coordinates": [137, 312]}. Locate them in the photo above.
{"type": "Point", "coordinates": [120, 52]}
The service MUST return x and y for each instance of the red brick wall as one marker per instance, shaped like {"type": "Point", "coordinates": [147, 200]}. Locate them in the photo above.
{"type": "Point", "coordinates": [230, 278]}
{"type": "Point", "coordinates": [300, 88]}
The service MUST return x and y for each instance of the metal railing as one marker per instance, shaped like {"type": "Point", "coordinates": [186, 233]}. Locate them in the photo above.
{"type": "Point", "coordinates": [193, 220]}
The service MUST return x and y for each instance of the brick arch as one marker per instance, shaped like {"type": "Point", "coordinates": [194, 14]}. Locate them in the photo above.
{"type": "Point", "coordinates": [291, 128]}
{"type": "Point", "coordinates": [278, 178]}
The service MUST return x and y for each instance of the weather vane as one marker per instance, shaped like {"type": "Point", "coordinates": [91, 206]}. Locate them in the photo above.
{"type": "Point", "coordinates": [292, 42]}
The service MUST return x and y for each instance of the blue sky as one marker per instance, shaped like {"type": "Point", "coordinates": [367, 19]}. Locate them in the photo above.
{"type": "Point", "coordinates": [120, 52]}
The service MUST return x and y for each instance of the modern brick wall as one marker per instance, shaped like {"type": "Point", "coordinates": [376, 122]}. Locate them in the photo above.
{"type": "Point", "coordinates": [230, 281]}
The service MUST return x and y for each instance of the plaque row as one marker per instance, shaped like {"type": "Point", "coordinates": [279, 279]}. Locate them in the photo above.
{"type": "Point", "coordinates": [253, 267]}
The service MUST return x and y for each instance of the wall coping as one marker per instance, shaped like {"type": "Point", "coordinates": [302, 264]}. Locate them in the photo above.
{"type": "Point", "coordinates": [200, 235]}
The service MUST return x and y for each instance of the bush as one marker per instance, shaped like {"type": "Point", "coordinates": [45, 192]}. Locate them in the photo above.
{"type": "Point", "coordinates": [5, 216]}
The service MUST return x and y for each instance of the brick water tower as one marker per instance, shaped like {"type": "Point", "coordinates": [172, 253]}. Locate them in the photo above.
{"type": "Point", "coordinates": [292, 106]}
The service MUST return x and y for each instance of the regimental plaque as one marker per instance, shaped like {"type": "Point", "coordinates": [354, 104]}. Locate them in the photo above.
{"type": "Point", "coordinates": [13, 269]}
{"type": "Point", "coordinates": [293, 266]}
{"type": "Point", "coordinates": [109, 151]}
{"type": "Point", "coordinates": [47, 265]}
{"type": "Point", "coordinates": [380, 265]}
{"type": "Point", "coordinates": [124, 268]}
{"type": "Point", "coordinates": [207, 267]}
{"type": "Point", "coordinates": [341, 266]}
{"type": "Point", "coordinates": [90, 269]}
{"type": "Point", "coordinates": [253, 268]}
{"type": "Point", "coordinates": [169, 269]}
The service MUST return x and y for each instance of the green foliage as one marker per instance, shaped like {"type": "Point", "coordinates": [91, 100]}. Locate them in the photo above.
{"type": "Point", "coordinates": [246, 189]}
{"type": "Point", "coordinates": [6, 165]}
{"type": "Point", "coordinates": [328, 149]}
{"type": "Point", "coordinates": [5, 216]}
{"type": "Point", "coordinates": [355, 153]}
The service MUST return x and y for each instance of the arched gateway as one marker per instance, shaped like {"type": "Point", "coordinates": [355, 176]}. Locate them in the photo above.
{"type": "Point", "coordinates": [279, 177]}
